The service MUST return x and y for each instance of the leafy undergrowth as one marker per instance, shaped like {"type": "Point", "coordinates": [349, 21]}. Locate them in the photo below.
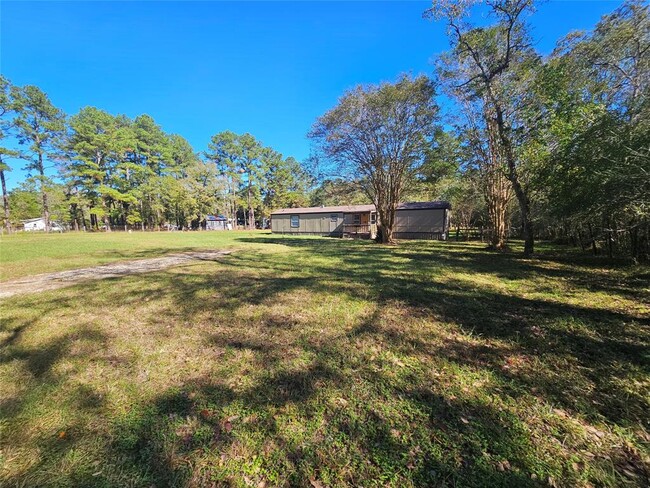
{"type": "Point", "coordinates": [323, 362]}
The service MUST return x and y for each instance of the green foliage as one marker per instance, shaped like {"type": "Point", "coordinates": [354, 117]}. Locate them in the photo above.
{"type": "Point", "coordinates": [593, 156]}
{"type": "Point", "coordinates": [25, 201]}
{"type": "Point", "coordinates": [257, 178]}
{"type": "Point", "coordinates": [286, 183]}
{"type": "Point", "coordinates": [38, 126]}
{"type": "Point", "coordinates": [379, 135]}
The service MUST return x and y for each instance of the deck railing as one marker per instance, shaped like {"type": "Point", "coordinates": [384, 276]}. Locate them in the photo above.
{"type": "Point", "coordinates": [357, 229]}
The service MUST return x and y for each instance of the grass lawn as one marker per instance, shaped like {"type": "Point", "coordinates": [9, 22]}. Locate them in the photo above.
{"type": "Point", "coordinates": [27, 253]}
{"type": "Point", "coordinates": [324, 362]}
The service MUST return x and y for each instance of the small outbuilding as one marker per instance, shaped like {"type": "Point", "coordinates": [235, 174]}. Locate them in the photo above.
{"type": "Point", "coordinates": [31, 225]}
{"type": "Point", "coordinates": [413, 220]}
{"type": "Point", "coordinates": [216, 222]}
{"type": "Point", "coordinates": [38, 224]}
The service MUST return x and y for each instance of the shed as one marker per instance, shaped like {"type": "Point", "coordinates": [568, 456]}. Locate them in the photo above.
{"type": "Point", "coordinates": [38, 224]}
{"type": "Point", "coordinates": [31, 225]}
{"type": "Point", "coordinates": [216, 222]}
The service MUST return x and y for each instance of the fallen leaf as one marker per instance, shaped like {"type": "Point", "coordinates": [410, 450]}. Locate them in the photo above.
{"type": "Point", "coordinates": [315, 483]}
{"type": "Point", "coordinates": [593, 430]}
{"type": "Point", "coordinates": [62, 434]}
{"type": "Point", "coordinates": [504, 465]}
{"type": "Point", "coordinates": [227, 426]}
{"type": "Point", "coordinates": [464, 420]}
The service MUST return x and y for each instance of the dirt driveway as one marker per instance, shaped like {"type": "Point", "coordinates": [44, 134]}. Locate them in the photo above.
{"type": "Point", "coordinates": [61, 279]}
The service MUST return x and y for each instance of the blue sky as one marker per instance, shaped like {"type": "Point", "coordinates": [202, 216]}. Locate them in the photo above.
{"type": "Point", "coordinates": [198, 68]}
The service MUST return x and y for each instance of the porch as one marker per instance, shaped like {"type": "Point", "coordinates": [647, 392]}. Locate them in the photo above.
{"type": "Point", "coordinates": [360, 225]}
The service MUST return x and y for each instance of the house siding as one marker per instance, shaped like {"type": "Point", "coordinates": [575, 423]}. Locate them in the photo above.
{"type": "Point", "coordinates": [421, 224]}
{"type": "Point", "coordinates": [310, 224]}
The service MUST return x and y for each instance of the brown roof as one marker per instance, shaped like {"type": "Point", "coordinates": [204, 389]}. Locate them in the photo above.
{"type": "Point", "coordinates": [359, 208]}
{"type": "Point", "coordinates": [341, 208]}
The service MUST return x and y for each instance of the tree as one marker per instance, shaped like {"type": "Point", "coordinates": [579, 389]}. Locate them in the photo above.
{"type": "Point", "coordinates": [181, 156]}
{"type": "Point", "coordinates": [26, 203]}
{"type": "Point", "coordinates": [489, 66]}
{"type": "Point", "coordinates": [242, 160]}
{"type": "Point", "coordinates": [338, 192]}
{"type": "Point", "coordinates": [5, 126]}
{"type": "Point", "coordinates": [40, 127]}
{"type": "Point", "coordinates": [380, 134]}
{"type": "Point", "coordinates": [594, 152]}
{"type": "Point", "coordinates": [95, 145]}
{"type": "Point", "coordinates": [151, 157]}
{"type": "Point", "coordinates": [286, 182]}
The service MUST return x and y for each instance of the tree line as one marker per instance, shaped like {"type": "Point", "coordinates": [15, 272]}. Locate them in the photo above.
{"type": "Point", "coordinates": [553, 147]}
{"type": "Point", "coordinates": [527, 146]}
{"type": "Point", "coordinates": [114, 171]}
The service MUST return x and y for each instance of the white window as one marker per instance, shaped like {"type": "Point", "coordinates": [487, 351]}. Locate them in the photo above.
{"type": "Point", "coordinates": [373, 218]}
{"type": "Point", "coordinates": [334, 218]}
{"type": "Point", "coordinates": [295, 221]}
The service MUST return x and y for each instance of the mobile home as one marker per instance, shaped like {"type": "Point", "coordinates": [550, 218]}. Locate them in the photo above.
{"type": "Point", "coordinates": [413, 220]}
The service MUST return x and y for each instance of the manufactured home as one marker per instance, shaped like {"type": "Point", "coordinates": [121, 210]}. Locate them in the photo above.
{"type": "Point", "coordinates": [413, 220]}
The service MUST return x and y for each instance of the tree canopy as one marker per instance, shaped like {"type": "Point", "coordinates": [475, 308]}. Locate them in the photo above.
{"type": "Point", "coordinates": [380, 134]}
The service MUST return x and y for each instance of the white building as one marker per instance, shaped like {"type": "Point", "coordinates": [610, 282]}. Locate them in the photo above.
{"type": "Point", "coordinates": [31, 225]}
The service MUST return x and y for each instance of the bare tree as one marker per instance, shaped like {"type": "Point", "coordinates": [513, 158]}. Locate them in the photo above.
{"type": "Point", "coordinates": [379, 134]}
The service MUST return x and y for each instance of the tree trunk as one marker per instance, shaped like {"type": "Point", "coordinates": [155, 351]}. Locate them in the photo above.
{"type": "Point", "coordinates": [251, 213]}
{"type": "Point", "coordinates": [386, 216]}
{"type": "Point", "coordinates": [107, 222]}
{"type": "Point", "coordinates": [610, 240]}
{"type": "Point", "coordinates": [593, 240]}
{"type": "Point", "coordinates": [5, 201]}
{"type": "Point", "coordinates": [496, 188]}
{"type": "Point", "coordinates": [46, 207]}
{"type": "Point", "coordinates": [513, 176]}
{"type": "Point", "coordinates": [74, 212]}
{"type": "Point", "coordinates": [46, 211]}
{"type": "Point", "coordinates": [582, 245]}
{"type": "Point", "coordinates": [524, 208]}
{"type": "Point", "coordinates": [634, 241]}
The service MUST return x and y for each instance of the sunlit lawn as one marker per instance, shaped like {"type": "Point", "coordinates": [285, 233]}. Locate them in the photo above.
{"type": "Point", "coordinates": [324, 362]}
{"type": "Point", "coordinates": [28, 253]}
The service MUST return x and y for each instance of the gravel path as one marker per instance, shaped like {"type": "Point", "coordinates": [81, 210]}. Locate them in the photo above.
{"type": "Point", "coordinates": [61, 279]}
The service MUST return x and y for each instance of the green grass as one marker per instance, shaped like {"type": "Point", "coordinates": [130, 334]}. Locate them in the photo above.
{"type": "Point", "coordinates": [26, 253]}
{"type": "Point", "coordinates": [325, 362]}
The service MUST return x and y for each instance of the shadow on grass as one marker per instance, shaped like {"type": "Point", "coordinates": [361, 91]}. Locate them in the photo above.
{"type": "Point", "coordinates": [367, 438]}
{"type": "Point", "coordinates": [572, 356]}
